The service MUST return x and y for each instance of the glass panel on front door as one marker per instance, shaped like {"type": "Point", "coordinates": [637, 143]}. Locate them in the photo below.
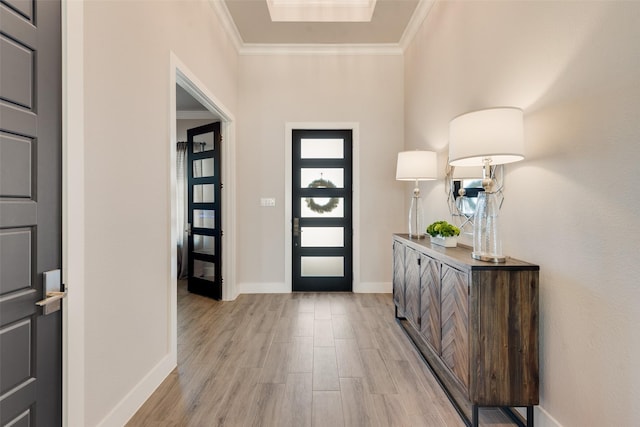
{"type": "Point", "coordinates": [322, 210]}
{"type": "Point", "coordinates": [322, 148]}
{"type": "Point", "coordinates": [322, 266]}
{"type": "Point", "coordinates": [317, 176]}
{"type": "Point", "coordinates": [322, 237]}
{"type": "Point", "coordinates": [328, 207]}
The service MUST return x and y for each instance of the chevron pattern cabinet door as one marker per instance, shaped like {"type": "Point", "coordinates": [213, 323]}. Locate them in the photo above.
{"type": "Point", "coordinates": [398, 275]}
{"type": "Point", "coordinates": [430, 301]}
{"type": "Point", "coordinates": [412, 287]}
{"type": "Point", "coordinates": [455, 323]}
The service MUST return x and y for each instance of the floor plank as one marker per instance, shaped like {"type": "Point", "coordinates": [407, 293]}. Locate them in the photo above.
{"type": "Point", "coordinates": [266, 409]}
{"type": "Point", "coordinates": [301, 355]}
{"type": "Point", "coordinates": [378, 378]}
{"type": "Point", "coordinates": [297, 405]}
{"type": "Point", "coordinates": [327, 409]}
{"type": "Point", "coordinates": [348, 358]}
{"type": "Point", "coordinates": [357, 403]}
{"type": "Point", "coordinates": [325, 369]}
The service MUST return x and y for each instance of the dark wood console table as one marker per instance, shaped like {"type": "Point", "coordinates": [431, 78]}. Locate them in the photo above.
{"type": "Point", "coordinates": [474, 322]}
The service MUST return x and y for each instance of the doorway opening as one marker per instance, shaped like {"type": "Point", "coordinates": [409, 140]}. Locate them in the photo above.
{"type": "Point", "coordinates": [191, 105]}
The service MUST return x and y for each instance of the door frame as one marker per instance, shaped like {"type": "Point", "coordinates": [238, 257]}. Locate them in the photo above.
{"type": "Point", "coordinates": [288, 164]}
{"type": "Point", "coordinates": [73, 217]}
{"type": "Point", "coordinates": [181, 75]}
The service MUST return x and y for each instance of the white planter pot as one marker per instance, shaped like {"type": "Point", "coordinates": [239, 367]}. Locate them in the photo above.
{"type": "Point", "coordinates": [447, 242]}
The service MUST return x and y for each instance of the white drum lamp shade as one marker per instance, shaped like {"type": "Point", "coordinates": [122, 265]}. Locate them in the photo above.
{"type": "Point", "coordinates": [416, 166]}
{"type": "Point", "coordinates": [496, 134]}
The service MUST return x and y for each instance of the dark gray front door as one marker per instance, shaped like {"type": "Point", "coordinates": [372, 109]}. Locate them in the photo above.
{"type": "Point", "coordinates": [30, 211]}
{"type": "Point", "coordinates": [204, 207]}
{"type": "Point", "coordinates": [322, 210]}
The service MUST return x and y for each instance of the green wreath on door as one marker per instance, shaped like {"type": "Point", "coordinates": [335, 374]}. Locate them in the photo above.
{"type": "Point", "coordinates": [319, 208]}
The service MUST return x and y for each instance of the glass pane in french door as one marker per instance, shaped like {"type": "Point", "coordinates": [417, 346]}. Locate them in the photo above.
{"type": "Point", "coordinates": [204, 193]}
{"type": "Point", "coordinates": [322, 210]}
{"type": "Point", "coordinates": [203, 168]}
{"type": "Point", "coordinates": [203, 244]}
{"type": "Point", "coordinates": [204, 142]}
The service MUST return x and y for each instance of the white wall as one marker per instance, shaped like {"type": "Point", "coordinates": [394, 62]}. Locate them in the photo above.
{"type": "Point", "coordinates": [274, 90]}
{"type": "Point", "coordinates": [571, 206]}
{"type": "Point", "coordinates": [127, 47]}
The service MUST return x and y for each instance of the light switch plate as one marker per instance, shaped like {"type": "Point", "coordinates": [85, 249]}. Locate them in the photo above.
{"type": "Point", "coordinates": [268, 202]}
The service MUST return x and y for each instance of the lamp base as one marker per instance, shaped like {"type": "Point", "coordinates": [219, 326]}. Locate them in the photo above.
{"type": "Point", "coordinates": [417, 236]}
{"type": "Point", "coordinates": [489, 257]}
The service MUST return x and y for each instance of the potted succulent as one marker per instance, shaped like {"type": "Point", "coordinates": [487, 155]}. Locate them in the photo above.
{"type": "Point", "coordinates": [444, 234]}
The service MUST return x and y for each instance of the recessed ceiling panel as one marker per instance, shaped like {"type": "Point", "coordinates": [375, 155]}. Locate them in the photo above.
{"type": "Point", "coordinates": [321, 10]}
{"type": "Point", "coordinates": [388, 23]}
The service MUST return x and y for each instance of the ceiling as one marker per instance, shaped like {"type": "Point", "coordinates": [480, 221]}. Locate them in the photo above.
{"type": "Point", "coordinates": [186, 102]}
{"type": "Point", "coordinates": [389, 22]}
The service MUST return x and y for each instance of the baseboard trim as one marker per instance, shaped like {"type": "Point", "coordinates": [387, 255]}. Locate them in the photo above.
{"type": "Point", "coordinates": [372, 288]}
{"type": "Point", "coordinates": [263, 288]}
{"type": "Point", "coordinates": [129, 405]}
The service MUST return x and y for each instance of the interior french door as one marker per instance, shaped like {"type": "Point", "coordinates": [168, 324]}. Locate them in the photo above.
{"type": "Point", "coordinates": [204, 207]}
{"type": "Point", "coordinates": [30, 213]}
{"type": "Point", "coordinates": [322, 210]}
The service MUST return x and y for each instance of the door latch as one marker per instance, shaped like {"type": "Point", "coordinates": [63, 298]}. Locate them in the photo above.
{"type": "Point", "coordinates": [296, 227]}
{"type": "Point", "coordinates": [52, 283]}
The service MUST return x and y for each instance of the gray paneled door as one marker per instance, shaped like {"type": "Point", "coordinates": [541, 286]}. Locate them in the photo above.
{"type": "Point", "coordinates": [30, 211]}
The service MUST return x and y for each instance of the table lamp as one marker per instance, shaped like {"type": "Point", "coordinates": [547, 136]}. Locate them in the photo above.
{"type": "Point", "coordinates": [487, 138]}
{"type": "Point", "coordinates": [416, 166]}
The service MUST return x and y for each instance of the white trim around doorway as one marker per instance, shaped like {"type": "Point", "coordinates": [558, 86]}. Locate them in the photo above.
{"type": "Point", "coordinates": [73, 218]}
{"type": "Point", "coordinates": [182, 76]}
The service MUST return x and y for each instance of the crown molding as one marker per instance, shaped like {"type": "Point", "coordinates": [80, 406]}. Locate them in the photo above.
{"type": "Point", "coordinates": [220, 8]}
{"type": "Point", "coordinates": [420, 14]}
{"type": "Point", "coordinates": [422, 11]}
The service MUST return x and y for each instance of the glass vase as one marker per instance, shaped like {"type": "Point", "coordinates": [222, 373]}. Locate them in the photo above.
{"type": "Point", "coordinates": [487, 244]}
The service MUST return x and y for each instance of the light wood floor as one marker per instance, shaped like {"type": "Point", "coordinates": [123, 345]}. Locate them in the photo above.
{"type": "Point", "coordinates": [303, 359]}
